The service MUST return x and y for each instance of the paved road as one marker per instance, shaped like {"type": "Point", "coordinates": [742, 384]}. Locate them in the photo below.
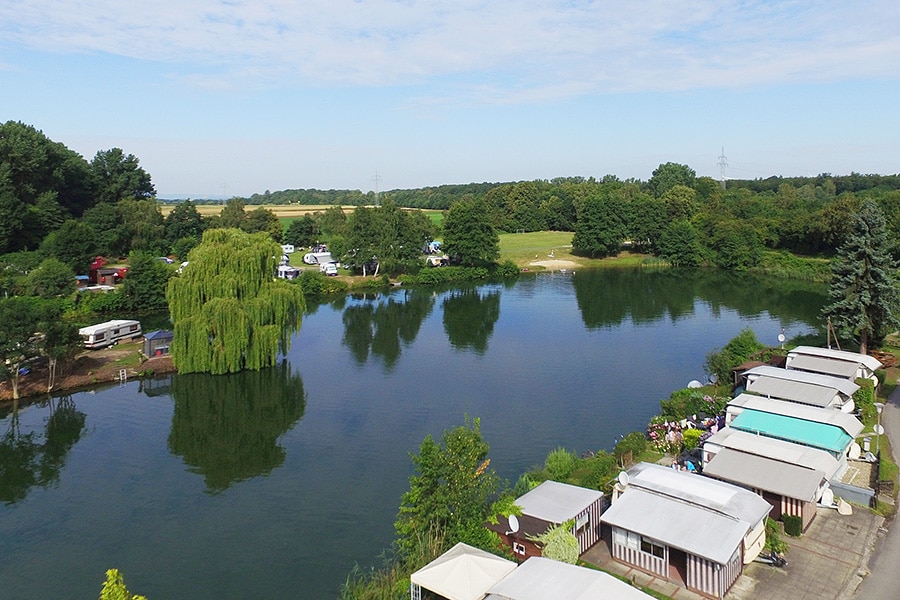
{"type": "Point", "coordinates": [882, 583]}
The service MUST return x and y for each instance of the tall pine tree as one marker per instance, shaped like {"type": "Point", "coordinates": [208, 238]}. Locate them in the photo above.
{"type": "Point", "coordinates": [228, 310]}
{"type": "Point", "coordinates": [863, 296]}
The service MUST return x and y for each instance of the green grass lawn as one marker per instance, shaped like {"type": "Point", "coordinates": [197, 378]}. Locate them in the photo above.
{"type": "Point", "coordinates": [527, 248]}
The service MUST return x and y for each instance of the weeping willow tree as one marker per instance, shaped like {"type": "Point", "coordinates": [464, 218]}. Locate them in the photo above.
{"type": "Point", "coordinates": [228, 310]}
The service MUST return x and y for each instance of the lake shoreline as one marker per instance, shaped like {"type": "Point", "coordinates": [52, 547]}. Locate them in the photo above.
{"type": "Point", "coordinates": [90, 368]}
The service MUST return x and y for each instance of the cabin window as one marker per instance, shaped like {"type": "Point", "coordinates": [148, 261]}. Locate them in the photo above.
{"type": "Point", "coordinates": [132, 328]}
{"type": "Point", "coordinates": [625, 538]}
{"type": "Point", "coordinates": [99, 336]}
{"type": "Point", "coordinates": [582, 521]}
{"type": "Point", "coordinates": [651, 547]}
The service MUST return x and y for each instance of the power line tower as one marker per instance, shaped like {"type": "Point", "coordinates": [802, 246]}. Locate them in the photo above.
{"type": "Point", "coordinates": [723, 162]}
{"type": "Point", "coordinates": [377, 179]}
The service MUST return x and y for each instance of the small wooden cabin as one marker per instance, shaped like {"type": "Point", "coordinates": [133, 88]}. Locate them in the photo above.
{"type": "Point", "coordinates": [549, 505]}
{"type": "Point", "coordinates": [156, 343]}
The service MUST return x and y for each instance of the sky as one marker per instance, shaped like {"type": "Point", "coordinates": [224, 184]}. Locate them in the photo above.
{"type": "Point", "coordinates": [230, 98]}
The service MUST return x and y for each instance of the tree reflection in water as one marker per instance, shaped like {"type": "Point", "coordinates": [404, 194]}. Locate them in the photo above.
{"type": "Point", "coordinates": [381, 326]}
{"type": "Point", "coordinates": [469, 318]}
{"type": "Point", "coordinates": [227, 427]}
{"type": "Point", "coordinates": [28, 459]}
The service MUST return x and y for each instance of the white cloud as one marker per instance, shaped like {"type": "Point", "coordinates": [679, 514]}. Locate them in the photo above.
{"type": "Point", "coordinates": [516, 50]}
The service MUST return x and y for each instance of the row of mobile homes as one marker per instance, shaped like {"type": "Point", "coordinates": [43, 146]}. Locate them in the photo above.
{"type": "Point", "coordinates": [814, 389]}
{"type": "Point", "coordinates": [688, 529]}
{"type": "Point", "coordinates": [468, 573]}
{"type": "Point", "coordinates": [549, 505]}
{"type": "Point", "coordinates": [109, 333]}
{"type": "Point", "coordinates": [837, 363]}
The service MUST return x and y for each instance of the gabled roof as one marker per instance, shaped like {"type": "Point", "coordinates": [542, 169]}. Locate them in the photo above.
{"type": "Point", "coordinates": [766, 474]}
{"type": "Point", "coordinates": [869, 362]}
{"type": "Point", "coordinates": [541, 579]}
{"type": "Point", "coordinates": [845, 386]}
{"type": "Point", "coordinates": [795, 391]}
{"type": "Point", "coordinates": [780, 450]}
{"type": "Point", "coordinates": [557, 502]}
{"type": "Point", "coordinates": [683, 525]}
{"type": "Point", "coordinates": [462, 573]}
{"type": "Point", "coordinates": [850, 424]}
{"type": "Point", "coordinates": [699, 515]}
{"type": "Point", "coordinates": [809, 433]}
{"type": "Point", "coordinates": [729, 500]}
{"type": "Point", "coordinates": [816, 364]}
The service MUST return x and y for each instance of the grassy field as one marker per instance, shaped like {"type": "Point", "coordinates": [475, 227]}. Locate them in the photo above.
{"type": "Point", "coordinates": [555, 248]}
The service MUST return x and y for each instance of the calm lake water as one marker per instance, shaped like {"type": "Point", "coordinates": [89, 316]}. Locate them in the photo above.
{"type": "Point", "coordinates": [274, 484]}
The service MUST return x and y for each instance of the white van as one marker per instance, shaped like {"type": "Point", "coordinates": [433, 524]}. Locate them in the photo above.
{"type": "Point", "coordinates": [329, 269]}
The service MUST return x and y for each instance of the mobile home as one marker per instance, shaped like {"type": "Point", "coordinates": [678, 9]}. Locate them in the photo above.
{"type": "Point", "coordinates": [109, 333]}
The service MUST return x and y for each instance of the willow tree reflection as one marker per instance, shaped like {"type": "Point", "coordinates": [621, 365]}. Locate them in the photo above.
{"type": "Point", "coordinates": [226, 427]}
{"type": "Point", "coordinates": [381, 326]}
{"type": "Point", "coordinates": [469, 317]}
{"type": "Point", "coordinates": [29, 459]}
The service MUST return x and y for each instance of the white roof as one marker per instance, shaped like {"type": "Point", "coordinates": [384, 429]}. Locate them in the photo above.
{"type": "Point", "coordinates": [850, 424]}
{"type": "Point", "coordinates": [462, 573]}
{"type": "Point", "coordinates": [106, 325]}
{"type": "Point", "coordinates": [845, 386]}
{"type": "Point", "coordinates": [795, 391]}
{"type": "Point", "coordinates": [729, 500]}
{"type": "Point", "coordinates": [540, 578]}
{"type": "Point", "coordinates": [749, 443]}
{"type": "Point", "coordinates": [557, 502]}
{"type": "Point", "coordinates": [827, 366]}
{"type": "Point", "coordinates": [683, 525]}
{"type": "Point", "coordinates": [869, 362]}
{"type": "Point", "coordinates": [766, 474]}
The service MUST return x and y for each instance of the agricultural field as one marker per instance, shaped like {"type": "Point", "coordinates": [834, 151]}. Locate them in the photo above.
{"type": "Point", "coordinates": [282, 211]}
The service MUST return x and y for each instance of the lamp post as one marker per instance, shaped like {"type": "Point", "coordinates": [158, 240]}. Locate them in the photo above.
{"type": "Point", "coordinates": [879, 406]}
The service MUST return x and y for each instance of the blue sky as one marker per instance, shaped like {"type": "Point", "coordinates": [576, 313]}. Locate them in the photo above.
{"type": "Point", "coordinates": [236, 97]}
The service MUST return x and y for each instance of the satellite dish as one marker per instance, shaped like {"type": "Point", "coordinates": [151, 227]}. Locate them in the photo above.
{"type": "Point", "coordinates": [513, 524]}
{"type": "Point", "coordinates": [714, 379]}
{"type": "Point", "coordinates": [879, 429]}
{"type": "Point", "coordinates": [693, 384]}
{"type": "Point", "coordinates": [827, 497]}
{"type": "Point", "coordinates": [855, 451]}
{"type": "Point", "coordinates": [623, 479]}
{"type": "Point", "coordinates": [781, 338]}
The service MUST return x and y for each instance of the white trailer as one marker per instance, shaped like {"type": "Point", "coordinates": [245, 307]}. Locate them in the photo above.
{"type": "Point", "coordinates": [109, 333]}
{"type": "Point", "coordinates": [317, 258]}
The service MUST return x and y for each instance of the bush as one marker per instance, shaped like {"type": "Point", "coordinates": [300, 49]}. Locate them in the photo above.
{"type": "Point", "coordinates": [691, 438]}
{"type": "Point", "coordinates": [740, 349]}
{"type": "Point", "coordinates": [560, 463]}
{"type": "Point", "coordinates": [507, 270]}
{"type": "Point", "coordinates": [864, 398]}
{"type": "Point", "coordinates": [317, 285]}
{"type": "Point", "coordinates": [774, 543]}
{"type": "Point", "coordinates": [100, 302]}
{"type": "Point", "coordinates": [689, 401]}
{"type": "Point", "coordinates": [635, 443]}
{"type": "Point", "coordinates": [595, 472]}
{"type": "Point", "coordinates": [524, 484]}
{"type": "Point", "coordinates": [793, 525]}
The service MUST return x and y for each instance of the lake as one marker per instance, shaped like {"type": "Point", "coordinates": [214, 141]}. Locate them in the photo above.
{"type": "Point", "coordinates": [274, 484]}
